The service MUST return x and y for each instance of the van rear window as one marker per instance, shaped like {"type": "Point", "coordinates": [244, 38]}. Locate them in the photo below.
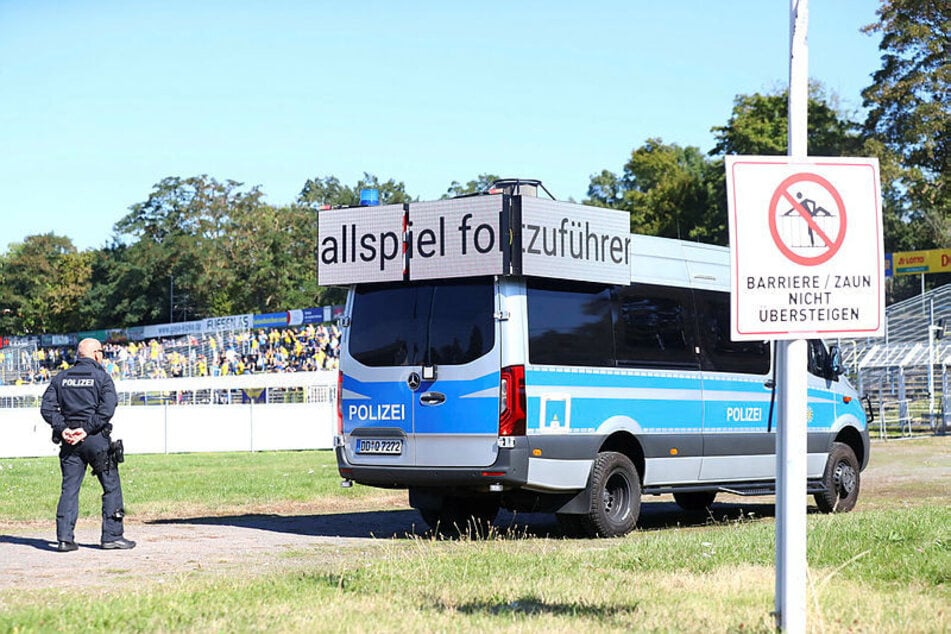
{"type": "Point", "coordinates": [428, 323]}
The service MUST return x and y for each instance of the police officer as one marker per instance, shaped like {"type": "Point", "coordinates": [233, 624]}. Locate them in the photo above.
{"type": "Point", "coordinates": [78, 405]}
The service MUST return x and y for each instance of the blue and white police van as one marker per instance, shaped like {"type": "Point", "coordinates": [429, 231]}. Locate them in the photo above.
{"type": "Point", "coordinates": [504, 350]}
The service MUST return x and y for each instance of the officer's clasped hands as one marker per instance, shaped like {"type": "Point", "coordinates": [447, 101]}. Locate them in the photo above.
{"type": "Point", "coordinates": [74, 436]}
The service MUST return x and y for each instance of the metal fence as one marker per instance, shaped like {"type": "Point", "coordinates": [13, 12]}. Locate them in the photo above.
{"type": "Point", "coordinates": [18, 362]}
{"type": "Point", "coordinates": [264, 389]}
{"type": "Point", "coordinates": [906, 372]}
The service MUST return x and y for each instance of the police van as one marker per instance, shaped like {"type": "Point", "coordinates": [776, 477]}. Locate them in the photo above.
{"type": "Point", "coordinates": [504, 350]}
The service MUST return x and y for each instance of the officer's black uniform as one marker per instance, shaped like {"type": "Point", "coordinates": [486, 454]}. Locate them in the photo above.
{"type": "Point", "coordinates": [85, 396]}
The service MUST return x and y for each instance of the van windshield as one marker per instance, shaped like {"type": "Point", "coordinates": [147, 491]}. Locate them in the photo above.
{"type": "Point", "coordinates": [425, 323]}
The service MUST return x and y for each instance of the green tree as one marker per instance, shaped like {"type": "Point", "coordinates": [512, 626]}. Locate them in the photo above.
{"type": "Point", "coordinates": [676, 191]}
{"type": "Point", "coordinates": [179, 241]}
{"type": "Point", "coordinates": [758, 126]}
{"type": "Point", "coordinates": [909, 111]}
{"type": "Point", "coordinates": [272, 250]}
{"type": "Point", "coordinates": [329, 192]}
{"type": "Point", "coordinates": [480, 184]}
{"type": "Point", "coordinates": [44, 280]}
{"type": "Point", "coordinates": [119, 293]}
{"type": "Point", "coordinates": [666, 190]}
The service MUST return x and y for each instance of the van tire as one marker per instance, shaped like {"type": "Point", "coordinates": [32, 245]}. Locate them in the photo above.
{"type": "Point", "coordinates": [842, 481]}
{"type": "Point", "coordinates": [462, 516]}
{"type": "Point", "coordinates": [695, 500]}
{"type": "Point", "coordinates": [615, 490]}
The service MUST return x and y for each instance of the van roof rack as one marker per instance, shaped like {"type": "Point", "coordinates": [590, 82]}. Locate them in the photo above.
{"type": "Point", "coordinates": [515, 186]}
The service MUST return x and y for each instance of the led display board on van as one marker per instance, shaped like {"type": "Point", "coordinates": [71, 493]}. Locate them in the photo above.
{"type": "Point", "coordinates": [360, 244]}
{"type": "Point", "coordinates": [575, 242]}
{"type": "Point", "coordinates": [461, 237]}
{"type": "Point", "coordinates": [473, 236]}
{"type": "Point", "coordinates": [425, 240]}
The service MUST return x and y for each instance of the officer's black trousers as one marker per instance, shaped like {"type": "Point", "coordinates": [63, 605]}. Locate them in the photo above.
{"type": "Point", "coordinates": [74, 470]}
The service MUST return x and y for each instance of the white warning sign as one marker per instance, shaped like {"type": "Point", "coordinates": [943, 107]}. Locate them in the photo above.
{"type": "Point", "coordinates": [806, 247]}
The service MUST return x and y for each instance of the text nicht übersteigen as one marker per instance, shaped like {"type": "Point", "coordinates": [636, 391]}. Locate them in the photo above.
{"type": "Point", "coordinates": [809, 298]}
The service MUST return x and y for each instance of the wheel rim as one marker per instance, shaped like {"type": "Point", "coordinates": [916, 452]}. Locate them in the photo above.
{"type": "Point", "coordinates": [844, 479]}
{"type": "Point", "coordinates": [617, 497]}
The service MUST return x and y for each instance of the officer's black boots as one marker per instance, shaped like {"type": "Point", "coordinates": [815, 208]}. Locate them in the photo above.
{"type": "Point", "coordinates": [119, 544]}
{"type": "Point", "coordinates": [66, 547]}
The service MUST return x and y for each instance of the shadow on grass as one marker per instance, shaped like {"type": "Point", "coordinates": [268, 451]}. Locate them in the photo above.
{"type": "Point", "coordinates": [39, 544]}
{"type": "Point", "coordinates": [402, 524]}
{"type": "Point", "coordinates": [533, 606]}
{"type": "Point", "coordinates": [379, 524]}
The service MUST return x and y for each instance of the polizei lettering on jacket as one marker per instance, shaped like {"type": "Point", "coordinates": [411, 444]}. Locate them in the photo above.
{"type": "Point", "coordinates": [79, 382]}
{"type": "Point", "coordinates": [377, 411]}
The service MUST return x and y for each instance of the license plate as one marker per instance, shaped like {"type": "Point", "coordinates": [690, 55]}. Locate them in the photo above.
{"type": "Point", "coordinates": [379, 446]}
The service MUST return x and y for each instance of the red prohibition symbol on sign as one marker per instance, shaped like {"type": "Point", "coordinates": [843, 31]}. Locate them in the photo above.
{"type": "Point", "coordinates": [807, 219]}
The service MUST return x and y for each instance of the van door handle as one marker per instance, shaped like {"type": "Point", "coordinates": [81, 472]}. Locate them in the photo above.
{"type": "Point", "coordinates": [432, 398]}
{"type": "Point", "coordinates": [769, 383]}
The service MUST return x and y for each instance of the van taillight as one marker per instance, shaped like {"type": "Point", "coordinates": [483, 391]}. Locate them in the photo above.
{"type": "Point", "coordinates": [339, 403]}
{"type": "Point", "coordinates": [512, 401]}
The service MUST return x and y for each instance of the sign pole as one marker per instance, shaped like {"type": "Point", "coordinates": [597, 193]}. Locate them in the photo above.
{"type": "Point", "coordinates": [791, 433]}
{"type": "Point", "coordinates": [819, 275]}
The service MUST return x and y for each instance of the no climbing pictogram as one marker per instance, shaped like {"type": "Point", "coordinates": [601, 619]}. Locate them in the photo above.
{"type": "Point", "coordinates": [807, 219]}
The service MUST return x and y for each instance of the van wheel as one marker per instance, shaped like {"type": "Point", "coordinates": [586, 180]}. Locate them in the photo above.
{"type": "Point", "coordinates": [695, 500]}
{"type": "Point", "coordinates": [615, 490]}
{"type": "Point", "coordinates": [841, 479]}
{"type": "Point", "coordinates": [461, 516]}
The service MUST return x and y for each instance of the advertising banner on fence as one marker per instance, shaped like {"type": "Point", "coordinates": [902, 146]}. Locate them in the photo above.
{"type": "Point", "coordinates": [918, 262]}
{"type": "Point", "coordinates": [272, 320]}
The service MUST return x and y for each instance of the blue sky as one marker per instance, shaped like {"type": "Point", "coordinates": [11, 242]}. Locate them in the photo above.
{"type": "Point", "coordinates": [100, 100]}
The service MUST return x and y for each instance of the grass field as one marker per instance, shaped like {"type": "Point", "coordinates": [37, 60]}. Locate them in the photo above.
{"type": "Point", "coordinates": [883, 568]}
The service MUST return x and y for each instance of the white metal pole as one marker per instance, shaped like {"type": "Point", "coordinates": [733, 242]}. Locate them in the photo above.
{"type": "Point", "coordinates": [931, 335]}
{"type": "Point", "coordinates": [791, 430]}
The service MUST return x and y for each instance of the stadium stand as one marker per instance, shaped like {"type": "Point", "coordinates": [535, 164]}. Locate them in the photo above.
{"type": "Point", "coordinates": [308, 348]}
{"type": "Point", "coordinates": [907, 373]}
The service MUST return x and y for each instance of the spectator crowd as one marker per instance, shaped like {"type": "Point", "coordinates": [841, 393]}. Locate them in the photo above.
{"type": "Point", "coordinates": [307, 348]}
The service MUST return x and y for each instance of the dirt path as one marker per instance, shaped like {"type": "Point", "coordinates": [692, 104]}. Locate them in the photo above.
{"type": "Point", "coordinates": [292, 537]}
{"type": "Point", "coordinates": [258, 543]}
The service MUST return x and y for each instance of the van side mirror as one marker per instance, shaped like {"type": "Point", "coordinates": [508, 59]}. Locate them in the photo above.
{"type": "Point", "coordinates": [835, 368]}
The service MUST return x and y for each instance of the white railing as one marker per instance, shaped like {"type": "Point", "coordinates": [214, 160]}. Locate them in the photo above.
{"type": "Point", "coordinates": [237, 413]}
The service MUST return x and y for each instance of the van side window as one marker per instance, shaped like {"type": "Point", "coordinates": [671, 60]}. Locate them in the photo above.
{"type": "Point", "coordinates": [569, 323]}
{"type": "Point", "coordinates": [655, 327]}
{"type": "Point", "coordinates": [718, 352]}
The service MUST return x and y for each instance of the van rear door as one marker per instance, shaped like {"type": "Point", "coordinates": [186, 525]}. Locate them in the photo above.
{"type": "Point", "coordinates": [420, 366]}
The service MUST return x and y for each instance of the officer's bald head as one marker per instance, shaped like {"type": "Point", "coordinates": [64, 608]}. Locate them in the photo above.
{"type": "Point", "coordinates": [88, 348]}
